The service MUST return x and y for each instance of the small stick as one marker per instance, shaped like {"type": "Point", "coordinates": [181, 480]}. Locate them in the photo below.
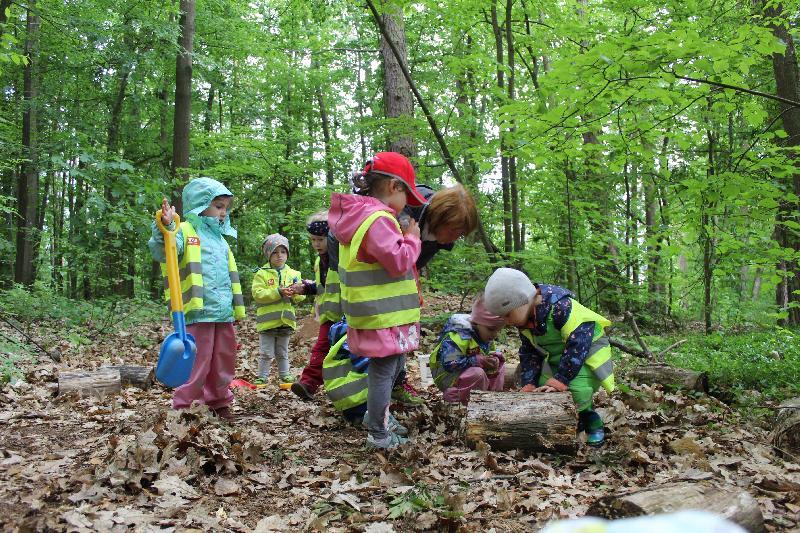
{"type": "Point", "coordinates": [55, 355]}
{"type": "Point", "coordinates": [669, 348]}
{"type": "Point", "coordinates": [625, 348]}
{"type": "Point", "coordinates": [638, 336]}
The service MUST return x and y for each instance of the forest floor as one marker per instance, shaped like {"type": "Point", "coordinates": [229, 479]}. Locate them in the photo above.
{"type": "Point", "coordinates": [128, 460]}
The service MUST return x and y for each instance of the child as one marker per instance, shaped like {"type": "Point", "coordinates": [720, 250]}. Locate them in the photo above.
{"type": "Point", "coordinates": [212, 294]}
{"type": "Point", "coordinates": [378, 287]}
{"type": "Point", "coordinates": [461, 361]}
{"type": "Point", "coordinates": [345, 378]}
{"type": "Point", "coordinates": [276, 286]}
{"type": "Point", "coordinates": [552, 322]}
{"type": "Point", "coordinates": [327, 310]}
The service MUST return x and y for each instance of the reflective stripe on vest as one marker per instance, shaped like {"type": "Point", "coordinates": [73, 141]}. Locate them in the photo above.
{"type": "Point", "coordinates": [371, 299]}
{"type": "Point", "coordinates": [553, 341]}
{"type": "Point", "coordinates": [344, 386]}
{"type": "Point", "coordinates": [280, 313]}
{"type": "Point", "coordinates": [330, 306]}
{"type": "Point", "coordinates": [191, 274]}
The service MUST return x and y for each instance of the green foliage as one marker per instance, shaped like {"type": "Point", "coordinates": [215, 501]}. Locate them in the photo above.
{"type": "Point", "coordinates": [765, 361]}
{"type": "Point", "coordinates": [421, 498]}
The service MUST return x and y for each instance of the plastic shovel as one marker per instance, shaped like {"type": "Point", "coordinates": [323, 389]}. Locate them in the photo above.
{"type": "Point", "coordinates": [178, 350]}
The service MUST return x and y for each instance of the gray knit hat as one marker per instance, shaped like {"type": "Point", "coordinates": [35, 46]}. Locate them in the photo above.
{"type": "Point", "coordinates": [272, 242]}
{"type": "Point", "coordinates": [506, 290]}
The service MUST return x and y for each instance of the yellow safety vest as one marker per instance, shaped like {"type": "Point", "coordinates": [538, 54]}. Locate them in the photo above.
{"type": "Point", "coordinates": [345, 386]}
{"type": "Point", "coordinates": [280, 312]}
{"type": "Point", "coordinates": [371, 298]}
{"type": "Point", "coordinates": [554, 342]}
{"type": "Point", "coordinates": [191, 273]}
{"type": "Point", "coordinates": [330, 305]}
{"type": "Point", "coordinates": [441, 377]}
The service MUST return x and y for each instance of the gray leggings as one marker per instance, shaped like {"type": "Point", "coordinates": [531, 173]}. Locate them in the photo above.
{"type": "Point", "coordinates": [383, 372]}
{"type": "Point", "coordinates": [273, 346]}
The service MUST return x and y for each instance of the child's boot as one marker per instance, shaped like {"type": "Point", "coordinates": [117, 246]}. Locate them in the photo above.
{"type": "Point", "coordinates": [392, 440]}
{"type": "Point", "coordinates": [590, 422]}
{"type": "Point", "coordinates": [392, 425]}
{"type": "Point", "coordinates": [405, 394]}
{"type": "Point", "coordinates": [301, 391]}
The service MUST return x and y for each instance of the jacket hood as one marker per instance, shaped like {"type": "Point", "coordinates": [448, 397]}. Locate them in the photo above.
{"type": "Point", "coordinates": [459, 323]}
{"type": "Point", "coordinates": [348, 211]}
{"type": "Point", "coordinates": [197, 196]}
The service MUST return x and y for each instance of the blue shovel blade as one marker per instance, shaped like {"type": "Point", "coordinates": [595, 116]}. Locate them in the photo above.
{"type": "Point", "coordinates": [175, 360]}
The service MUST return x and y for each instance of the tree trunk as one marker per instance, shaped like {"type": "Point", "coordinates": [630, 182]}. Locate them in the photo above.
{"type": "Point", "coordinates": [708, 245]}
{"type": "Point", "coordinates": [533, 422]}
{"type": "Point", "coordinates": [28, 182]}
{"type": "Point", "coordinates": [670, 376]}
{"type": "Point", "coordinates": [96, 383]}
{"type": "Point", "coordinates": [505, 180]}
{"type": "Point", "coordinates": [397, 99]}
{"type": "Point", "coordinates": [209, 110]}
{"type": "Point", "coordinates": [512, 159]}
{"type": "Point", "coordinates": [183, 94]}
{"type": "Point", "coordinates": [729, 502]}
{"type": "Point", "coordinates": [787, 81]}
{"type": "Point", "coordinates": [326, 127]}
{"type": "Point", "coordinates": [786, 433]}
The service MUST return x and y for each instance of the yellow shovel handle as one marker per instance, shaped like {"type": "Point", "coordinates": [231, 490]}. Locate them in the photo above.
{"type": "Point", "coordinates": [171, 251]}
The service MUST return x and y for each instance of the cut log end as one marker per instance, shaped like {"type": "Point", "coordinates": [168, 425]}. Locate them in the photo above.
{"type": "Point", "coordinates": [732, 503]}
{"type": "Point", "coordinates": [786, 435]}
{"type": "Point", "coordinates": [94, 383]}
{"type": "Point", "coordinates": [533, 422]}
{"type": "Point", "coordinates": [670, 376]}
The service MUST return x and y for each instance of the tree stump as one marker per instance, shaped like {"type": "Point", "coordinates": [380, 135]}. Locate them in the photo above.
{"type": "Point", "coordinates": [728, 501]}
{"type": "Point", "coordinates": [786, 435]}
{"type": "Point", "coordinates": [670, 376]}
{"type": "Point", "coordinates": [512, 376]}
{"type": "Point", "coordinates": [134, 376]}
{"type": "Point", "coordinates": [98, 382]}
{"type": "Point", "coordinates": [535, 422]}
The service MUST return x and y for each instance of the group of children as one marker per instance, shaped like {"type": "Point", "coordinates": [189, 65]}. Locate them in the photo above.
{"type": "Point", "coordinates": [367, 299]}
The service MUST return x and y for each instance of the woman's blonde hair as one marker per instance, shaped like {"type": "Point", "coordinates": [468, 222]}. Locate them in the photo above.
{"type": "Point", "coordinates": [452, 207]}
{"type": "Point", "coordinates": [319, 216]}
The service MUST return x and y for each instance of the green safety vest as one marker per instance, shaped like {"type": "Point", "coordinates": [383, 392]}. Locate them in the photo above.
{"type": "Point", "coordinates": [328, 305]}
{"type": "Point", "coordinates": [344, 386]}
{"type": "Point", "coordinates": [442, 377]}
{"type": "Point", "coordinates": [554, 342]}
{"type": "Point", "coordinates": [191, 274]}
{"type": "Point", "coordinates": [371, 298]}
{"type": "Point", "coordinates": [281, 312]}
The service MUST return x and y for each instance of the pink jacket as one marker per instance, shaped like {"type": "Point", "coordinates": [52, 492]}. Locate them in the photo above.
{"type": "Point", "coordinates": [383, 244]}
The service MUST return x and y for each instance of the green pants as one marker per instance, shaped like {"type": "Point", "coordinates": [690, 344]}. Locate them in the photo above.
{"type": "Point", "coordinates": [582, 387]}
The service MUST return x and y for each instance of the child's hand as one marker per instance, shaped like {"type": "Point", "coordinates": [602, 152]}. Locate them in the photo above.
{"type": "Point", "coordinates": [530, 387]}
{"type": "Point", "coordinates": [285, 292]}
{"type": "Point", "coordinates": [412, 228]}
{"type": "Point", "coordinates": [167, 212]}
{"type": "Point", "coordinates": [297, 289]}
{"type": "Point", "coordinates": [552, 385]}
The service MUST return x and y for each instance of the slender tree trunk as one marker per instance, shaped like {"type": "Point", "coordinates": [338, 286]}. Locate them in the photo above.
{"type": "Point", "coordinates": [360, 96]}
{"type": "Point", "coordinates": [208, 123]}
{"type": "Point", "coordinates": [28, 183]}
{"type": "Point", "coordinates": [326, 127]}
{"type": "Point", "coordinates": [787, 81]}
{"type": "Point", "coordinates": [397, 99]}
{"type": "Point", "coordinates": [183, 93]}
{"type": "Point", "coordinates": [708, 248]}
{"type": "Point", "coordinates": [508, 232]}
{"type": "Point", "coordinates": [512, 159]}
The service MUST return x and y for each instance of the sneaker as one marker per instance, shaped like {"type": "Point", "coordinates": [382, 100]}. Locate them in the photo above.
{"type": "Point", "coordinates": [224, 413]}
{"type": "Point", "coordinates": [595, 437]}
{"type": "Point", "coordinates": [393, 440]}
{"type": "Point", "coordinates": [288, 378]}
{"type": "Point", "coordinates": [406, 395]}
{"type": "Point", "coordinates": [393, 425]}
{"type": "Point", "coordinates": [300, 390]}
{"type": "Point", "coordinates": [260, 382]}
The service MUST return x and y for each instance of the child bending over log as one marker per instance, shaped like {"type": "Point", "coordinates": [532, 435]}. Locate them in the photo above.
{"type": "Point", "coordinates": [462, 360]}
{"type": "Point", "coordinates": [563, 343]}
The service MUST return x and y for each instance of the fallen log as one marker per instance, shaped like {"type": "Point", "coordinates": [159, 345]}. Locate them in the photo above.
{"type": "Point", "coordinates": [727, 501]}
{"type": "Point", "coordinates": [511, 380]}
{"type": "Point", "coordinates": [535, 422]}
{"type": "Point", "coordinates": [786, 435]}
{"type": "Point", "coordinates": [98, 382]}
{"type": "Point", "coordinates": [134, 375]}
{"type": "Point", "coordinates": [671, 376]}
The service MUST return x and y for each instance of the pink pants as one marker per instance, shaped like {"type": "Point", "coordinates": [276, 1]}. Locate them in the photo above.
{"type": "Point", "coordinates": [213, 369]}
{"type": "Point", "coordinates": [474, 378]}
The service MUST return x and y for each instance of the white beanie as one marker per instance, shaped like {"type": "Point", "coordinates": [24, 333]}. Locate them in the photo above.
{"type": "Point", "coordinates": [506, 290]}
{"type": "Point", "coordinates": [273, 241]}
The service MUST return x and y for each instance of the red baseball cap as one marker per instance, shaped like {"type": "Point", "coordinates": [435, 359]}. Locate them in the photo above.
{"type": "Point", "coordinates": [397, 166]}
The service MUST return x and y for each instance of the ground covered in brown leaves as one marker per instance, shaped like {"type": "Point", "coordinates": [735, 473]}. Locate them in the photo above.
{"type": "Point", "coordinates": [128, 461]}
